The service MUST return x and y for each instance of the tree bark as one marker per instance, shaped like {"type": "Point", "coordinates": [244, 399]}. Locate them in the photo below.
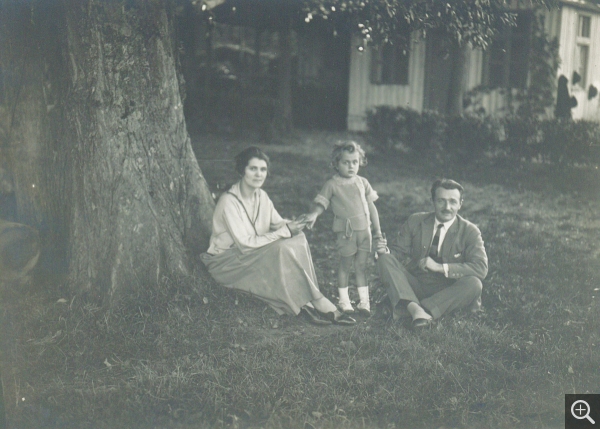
{"type": "Point", "coordinates": [283, 112]}
{"type": "Point", "coordinates": [118, 188]}
{"type": "Point", "coordinates": [457, 84]}
{"type": "Point", "coordinates": [19, 250]}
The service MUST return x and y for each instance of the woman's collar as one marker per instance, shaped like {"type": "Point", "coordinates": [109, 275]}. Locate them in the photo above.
{"type": "Point", "coordinates": [235, 190]}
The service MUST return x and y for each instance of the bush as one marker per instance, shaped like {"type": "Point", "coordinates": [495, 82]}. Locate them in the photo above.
{"type": "Point", "coordinates": [406, 129]}
{"type": "Point", "coordinates": [469, 137]}
{"type": "Point", "coordinates": [523, 137]}
{"type": "Point", "coordinates": [570, 142]}
{"type": "Point", "coordinates": [390, 127]}
{"type": "Point", "coordinates": [430, 132]}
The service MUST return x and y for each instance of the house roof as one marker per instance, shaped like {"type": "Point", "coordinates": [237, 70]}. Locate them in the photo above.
{"type": "Point", "coordinates": [582, 5]}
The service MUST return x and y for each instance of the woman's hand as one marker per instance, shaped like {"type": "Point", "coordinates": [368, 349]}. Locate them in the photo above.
{"type": "Point", "coordinates": [295, 227]}
{"type": "Point", "coordinates": [309, 219]}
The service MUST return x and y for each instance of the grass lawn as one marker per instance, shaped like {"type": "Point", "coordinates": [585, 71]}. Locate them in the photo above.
{"type": "Point", "coordinates": [197, 356]}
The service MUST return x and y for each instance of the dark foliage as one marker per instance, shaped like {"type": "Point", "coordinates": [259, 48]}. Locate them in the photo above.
{"type": "Point", "coordinates": [471, 137]}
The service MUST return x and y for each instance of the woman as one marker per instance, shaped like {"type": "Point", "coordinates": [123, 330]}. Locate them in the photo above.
{"type": "Point", "coordinates": [253, 249]}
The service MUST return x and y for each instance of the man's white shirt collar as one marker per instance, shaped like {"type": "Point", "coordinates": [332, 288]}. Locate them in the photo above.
{"type": "Point", "coordinates": [447, 225]}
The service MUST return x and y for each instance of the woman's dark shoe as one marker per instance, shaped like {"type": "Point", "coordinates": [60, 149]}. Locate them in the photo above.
{"type": "Point", "coordinates": [313, 317]}
{"type": "Point", "coordinates": [340, 319]}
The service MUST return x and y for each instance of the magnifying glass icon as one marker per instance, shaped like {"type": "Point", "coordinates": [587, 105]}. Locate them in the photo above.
{"type": "Point", "coordinates": [578, 412]}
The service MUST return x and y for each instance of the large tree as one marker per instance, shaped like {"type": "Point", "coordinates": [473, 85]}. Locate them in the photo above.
{"type": "Point", "coordinates": [461, 23]}
{"type": "Point", "coordinates": [95, 138]}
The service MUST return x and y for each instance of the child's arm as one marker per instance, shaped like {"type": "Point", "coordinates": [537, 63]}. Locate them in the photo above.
{"type": "Point", "coordinates": [315, 211]}
{"type": "Point", "coordinates": [374, 219]}
{"type": "Point", "coordinates": [319, 204]}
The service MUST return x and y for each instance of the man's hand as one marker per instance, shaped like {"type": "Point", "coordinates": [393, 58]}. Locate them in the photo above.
{"type": "Point", "coordinates": [428, 264]}
{"type": "Point", "coordinates": [381, 246]}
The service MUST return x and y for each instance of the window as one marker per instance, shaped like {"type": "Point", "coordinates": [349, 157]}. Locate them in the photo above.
{"type": "Point", "coordinates": [507, 62]}
{"type": "Point", "coordinates": [584, 26]}
{"type": "Point", "coordinates": [389, 64]}
{"type": "Point", "coordinates": [582, 52]}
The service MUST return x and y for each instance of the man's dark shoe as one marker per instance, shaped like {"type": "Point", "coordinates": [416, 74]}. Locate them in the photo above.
{"type": "Point", "coordinates": [418, 324]}
{"type": "Point", "coordinates": [313, 317]}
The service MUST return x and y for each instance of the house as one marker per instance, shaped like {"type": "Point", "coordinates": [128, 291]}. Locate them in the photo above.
{"type": "Point", "coordinates": [419, 76]}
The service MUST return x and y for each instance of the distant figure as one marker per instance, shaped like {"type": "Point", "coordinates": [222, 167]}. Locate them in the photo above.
{"type": "Point", "coordinates": [592, 92]}
{"type": "Point", "coordinates": [351, 197]}
{"type": "Point", "coordinates": [254, 250]}
{"type": "Point", "coordinates": [564, 102]}
{"type": "Point", "coordinates": [437, 262]}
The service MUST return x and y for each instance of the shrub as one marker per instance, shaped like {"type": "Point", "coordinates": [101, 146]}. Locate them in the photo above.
{"type": "Point", "coordinates": [468, 137]}
{"type": "Point", "coordinates": [406, 129]}
{"type": "Point", "coordinates": [430, 132]}
{"type": "Point", "coordinates": [523, 136]}
{"type": "Point", "coordinates": [570, 142]}
{"type": "Point", "coordinates": [390, 127]}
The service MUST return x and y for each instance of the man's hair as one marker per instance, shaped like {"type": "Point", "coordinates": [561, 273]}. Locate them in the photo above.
{"type": "Point", "coordinates": [350, 147]}
{"type": "Point", "coordinates": [446, 184]}
{"type": "Point", "coordinates": [243, 158]}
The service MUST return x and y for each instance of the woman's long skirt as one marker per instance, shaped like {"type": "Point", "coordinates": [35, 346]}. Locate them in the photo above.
{"type": "Point", "coordinates": [281, 273]}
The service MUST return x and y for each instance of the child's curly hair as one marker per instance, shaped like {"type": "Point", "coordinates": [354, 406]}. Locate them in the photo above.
{"type": "Point", "coordinates": [349, 146]}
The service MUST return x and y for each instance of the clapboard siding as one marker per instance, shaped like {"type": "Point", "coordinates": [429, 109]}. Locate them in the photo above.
{"type": "Point", "coordinates": [560, 23]}
{"type": "Point", "coordinates": [363, 95]}
{"type": "Point", "coordinates": [586, 109]}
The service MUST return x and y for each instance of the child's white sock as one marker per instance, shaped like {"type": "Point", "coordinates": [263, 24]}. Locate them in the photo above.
{"type": "Point", "coordinates": [363, 293]}
{"type": "Point", "coordinates": [343, 293]}
{"type": "Point", "coordinates": [344, 299]}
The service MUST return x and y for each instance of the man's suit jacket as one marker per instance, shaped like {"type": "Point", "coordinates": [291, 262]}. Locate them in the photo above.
{"type": "Point", "coordinates": [462, 248]}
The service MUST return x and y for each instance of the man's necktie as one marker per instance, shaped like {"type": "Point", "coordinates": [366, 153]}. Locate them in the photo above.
{"type": "Point", "coordinates": [433, 250]}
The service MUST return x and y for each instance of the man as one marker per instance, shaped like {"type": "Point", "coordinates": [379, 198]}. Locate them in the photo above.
{"type": "Point", "coordinates": [437, 262]}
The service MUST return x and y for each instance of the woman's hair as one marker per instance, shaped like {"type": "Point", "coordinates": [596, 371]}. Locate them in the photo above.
{"type": "Point", "coordinates": [350, 147]}
{"type": "Point", "coordinates": [243, 158]}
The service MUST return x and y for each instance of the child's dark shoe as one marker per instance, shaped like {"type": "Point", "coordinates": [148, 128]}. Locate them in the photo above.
{"type": "Point", "coordinates": [364, 309]}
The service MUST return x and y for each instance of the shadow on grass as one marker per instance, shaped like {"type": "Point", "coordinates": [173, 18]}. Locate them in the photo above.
{"type": "Point", "coordinates": [195, 355]}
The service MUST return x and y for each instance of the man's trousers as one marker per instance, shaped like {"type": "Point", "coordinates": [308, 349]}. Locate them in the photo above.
{"type": "Point", "coordinates": [434, 292]}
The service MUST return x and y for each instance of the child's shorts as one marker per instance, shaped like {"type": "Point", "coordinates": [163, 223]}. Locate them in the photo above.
{"type": "Point", "coordinates": [360, 240]}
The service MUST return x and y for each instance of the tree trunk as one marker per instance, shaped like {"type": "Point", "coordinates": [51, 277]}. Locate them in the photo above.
{"type": "Point", "coordinates": [19, 250]}
{"type": "Point", "coordinates": [283, 111]}
{"type": "Point", "coordinates": [457, 84]}
{"type": "Point", "coordinates": [117, 186]}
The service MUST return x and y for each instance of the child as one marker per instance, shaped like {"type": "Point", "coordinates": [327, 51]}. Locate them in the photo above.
{"type": "Point", "coordinates": [351, 198]}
